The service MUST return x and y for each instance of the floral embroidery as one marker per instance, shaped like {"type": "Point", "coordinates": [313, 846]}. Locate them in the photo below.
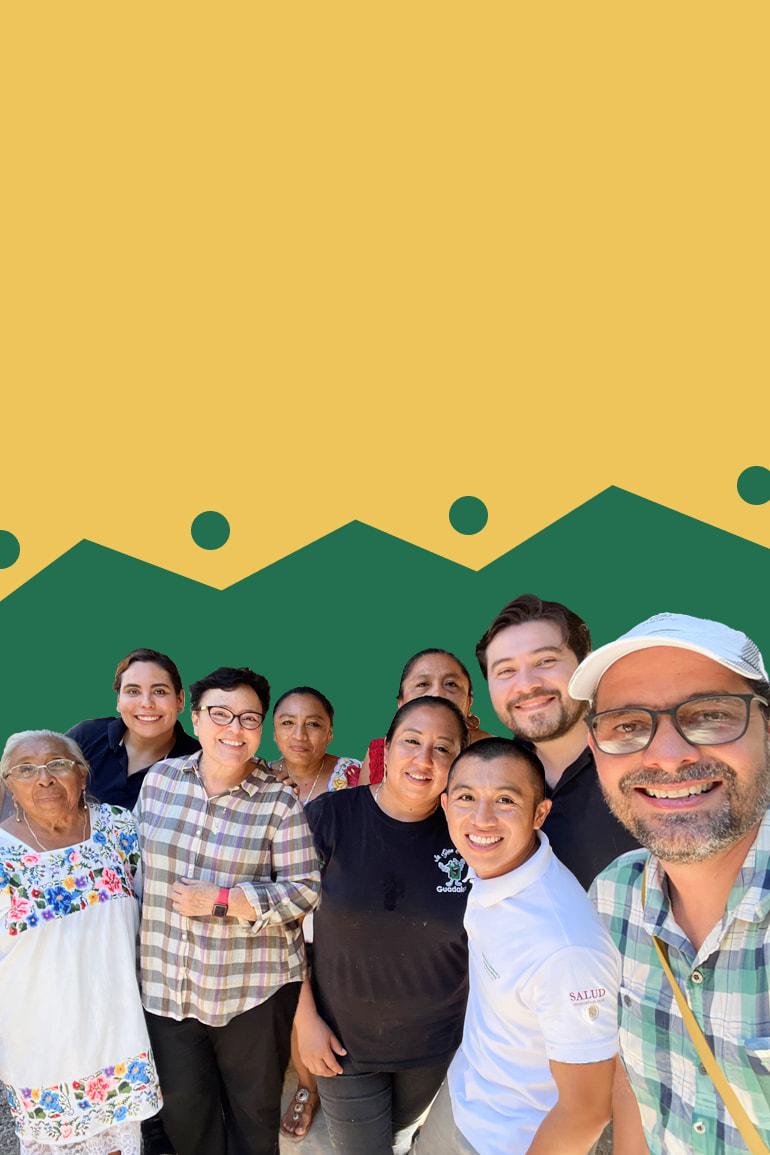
{"type": "Point", "coordinates": [127, 1090]}
{"type": "Point", "coordinates": [345, 773]}
{"type": "Point", "coordinates": [62, 882]}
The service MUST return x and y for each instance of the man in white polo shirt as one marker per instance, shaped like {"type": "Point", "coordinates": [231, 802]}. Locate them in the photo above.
{"type": "Point", "coordinates": [535, 1067]}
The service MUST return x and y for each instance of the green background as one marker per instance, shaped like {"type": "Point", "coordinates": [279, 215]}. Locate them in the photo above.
{"type": "Point", "coordinates": [344, 613]}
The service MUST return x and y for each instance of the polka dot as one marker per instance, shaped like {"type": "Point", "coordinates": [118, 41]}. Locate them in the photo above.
{"type": "Point", "coordinates": [9, 549]}
{"type": "Point", "coordinates": [468, 515]}
{"type": "Point", "coordinates": [210, 530]}
{"type": "Point", "coordinates": [754, 485]}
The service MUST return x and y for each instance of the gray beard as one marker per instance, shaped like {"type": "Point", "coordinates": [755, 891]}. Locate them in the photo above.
{"type": "Point", "coordinates": [681, 837]}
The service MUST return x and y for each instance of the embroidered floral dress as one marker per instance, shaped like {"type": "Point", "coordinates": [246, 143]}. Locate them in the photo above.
{"type": "Point", "coordinates": [74, 1052]}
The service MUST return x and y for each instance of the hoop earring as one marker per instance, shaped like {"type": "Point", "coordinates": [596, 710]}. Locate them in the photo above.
{"type": "Point", "coordinates": [474, 722]}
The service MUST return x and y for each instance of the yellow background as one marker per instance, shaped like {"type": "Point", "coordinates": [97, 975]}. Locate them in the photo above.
{"type": "Point", "coordinates": [303, 263]}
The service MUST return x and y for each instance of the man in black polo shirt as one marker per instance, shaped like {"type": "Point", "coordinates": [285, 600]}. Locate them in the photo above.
{"type": "Point", "coordinates": [528, 656]}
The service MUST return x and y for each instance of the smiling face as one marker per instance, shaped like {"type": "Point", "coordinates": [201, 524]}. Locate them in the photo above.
{"type": "Point", "coordinates": [420, 754]}
{"type": "Point", "coordinates": [437, 676]}
{"type": "Point", "coordinates": [492, 811]}
{"type": "Point", "coordinates": [529, 668]}
{"type": "Point", "coordinates": [302, 730]}
{"type": "Point", "coordinates": [147, 700]}
{"type": "Point", "coordinates": [685, 803]}
{"type": "Point", "coordinates": [230, 747]}
{"type": "Point", "coordinates": [46, 800]}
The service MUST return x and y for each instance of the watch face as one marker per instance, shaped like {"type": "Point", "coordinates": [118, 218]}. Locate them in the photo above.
{"type": "Point", "coordinates": [220, 910]}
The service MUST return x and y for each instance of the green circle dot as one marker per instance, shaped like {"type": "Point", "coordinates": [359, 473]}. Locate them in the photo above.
{"type": "Point", "coordinates": [210, 530]}
{"type": "Point", "coordinates": [468, 515]}
{"type": "Point", "coordinates": [9, 549]}
{"type": "Point", "coordinates": [754, 485]}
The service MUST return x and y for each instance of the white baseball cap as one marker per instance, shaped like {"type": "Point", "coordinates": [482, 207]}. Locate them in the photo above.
{"type": "Point", "coordinates": [722, 644]}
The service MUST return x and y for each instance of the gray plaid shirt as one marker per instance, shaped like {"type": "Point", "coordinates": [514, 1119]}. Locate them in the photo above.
{"type": "Point", "coordinates": [254, 836]}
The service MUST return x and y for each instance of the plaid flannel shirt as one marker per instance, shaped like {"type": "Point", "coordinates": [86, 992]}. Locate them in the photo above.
{"type": "Point", "coordinates": [254, 836]}
{"type": "Point", "coordinates": [727, 984]}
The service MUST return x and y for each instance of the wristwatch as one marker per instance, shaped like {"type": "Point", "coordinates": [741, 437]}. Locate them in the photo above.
{"type": "Point", "coordinates": [220, 906]}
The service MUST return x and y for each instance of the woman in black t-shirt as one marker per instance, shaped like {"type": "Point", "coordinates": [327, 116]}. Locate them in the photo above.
{"type": "Point", "coordinates": [385, 1012]}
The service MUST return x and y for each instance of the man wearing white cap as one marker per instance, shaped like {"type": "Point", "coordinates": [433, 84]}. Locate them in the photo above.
{"type": "Point", "coordinates": [678, 721]}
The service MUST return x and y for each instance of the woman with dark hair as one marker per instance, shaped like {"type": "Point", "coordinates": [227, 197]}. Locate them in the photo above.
{"type": "Point", "coordinates": [430, 673]}
{"type": "Point", "coordinates": [382, 1013]}
{"type": "Point", "coordinates": [302, 729]}
{"type": "Point", "coordinates": [121, 750]}
{"type": "Point", "coordinates": [229, 872]}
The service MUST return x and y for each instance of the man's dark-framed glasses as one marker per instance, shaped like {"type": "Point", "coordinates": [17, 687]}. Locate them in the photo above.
{"type": "Point", "coordinates": [706, 721]}
{"type": "Point", "coordinates": [221, 716]}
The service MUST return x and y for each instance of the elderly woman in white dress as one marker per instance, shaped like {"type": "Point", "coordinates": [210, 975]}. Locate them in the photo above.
{"type": "Point", "coordinates": [74, 1052]}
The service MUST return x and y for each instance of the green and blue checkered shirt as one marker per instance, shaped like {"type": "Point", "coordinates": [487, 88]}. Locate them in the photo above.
{"type": "Point", "coordinates": [727, 984]}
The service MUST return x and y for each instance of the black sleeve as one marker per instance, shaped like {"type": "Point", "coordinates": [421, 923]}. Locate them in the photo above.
{"type": "Point", "coordinates": [320, 814]}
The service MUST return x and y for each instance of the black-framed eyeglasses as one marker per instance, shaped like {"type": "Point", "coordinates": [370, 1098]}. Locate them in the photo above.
{"type": "Point", "coordinates": [221, 716]}
{"type": "Point", "coordinates": [26, 771]}
{"type": "Point", "coordinates": [706, 721]}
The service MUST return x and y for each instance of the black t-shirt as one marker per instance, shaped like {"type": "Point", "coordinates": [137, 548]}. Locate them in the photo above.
{"type": "Point", "coordinates": [101, 739]}
{"type": "Point", "coordinates": [390, 955]}
{"type": "Point", "coordinates": [584, 833]}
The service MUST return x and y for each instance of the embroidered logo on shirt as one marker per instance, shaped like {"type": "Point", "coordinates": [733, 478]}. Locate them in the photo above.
{"type": "Point", "coordinates": [588, 1002]}
{"type": "Point", "coordinates": [453, 866]}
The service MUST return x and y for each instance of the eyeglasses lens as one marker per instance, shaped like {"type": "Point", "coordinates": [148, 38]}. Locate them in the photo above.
{"type": "Point", "coordinates": [57, 768]}
{"type": "Point", "coordinates": [704, 722]}
{"type": "Point", "coordinates": [224, 718]}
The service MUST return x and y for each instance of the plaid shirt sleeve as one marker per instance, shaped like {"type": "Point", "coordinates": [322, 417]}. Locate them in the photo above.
{"type": "Point", "coordinates": [295, 888]}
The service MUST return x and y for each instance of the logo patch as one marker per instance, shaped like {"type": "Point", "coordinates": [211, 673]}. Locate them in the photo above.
{"type": "Point", "coordinates": [454, 867]}
{"type": "Point", "coordinates": [588, 1002]}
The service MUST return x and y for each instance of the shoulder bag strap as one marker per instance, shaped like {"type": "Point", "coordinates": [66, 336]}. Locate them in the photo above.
{"type": "Point", "coordinates": [749, 1133]}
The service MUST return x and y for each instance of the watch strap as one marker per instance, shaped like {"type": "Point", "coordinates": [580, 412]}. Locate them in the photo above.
{"type": "Point", "coordinates": [222, 903]}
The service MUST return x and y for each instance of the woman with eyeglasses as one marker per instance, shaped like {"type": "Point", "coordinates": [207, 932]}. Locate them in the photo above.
{"type": "Point", "coordinates": [229, 872]}
{"type": "Point", "coordinates": [74, 1051]}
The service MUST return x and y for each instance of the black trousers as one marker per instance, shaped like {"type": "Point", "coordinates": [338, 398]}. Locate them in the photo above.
{"type": "Point", "coordinates": [222, 1085]}
{"type": "Point", "coordinates": [376, 1113]}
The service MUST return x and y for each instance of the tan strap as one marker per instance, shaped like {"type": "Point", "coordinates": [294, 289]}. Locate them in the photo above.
{"type": "Point", "coordinates": [749, 1133]}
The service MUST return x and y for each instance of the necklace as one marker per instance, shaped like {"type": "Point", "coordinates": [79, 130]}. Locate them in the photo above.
{"type": "Point", "coordinates": [45, 849]}
{"type": "Point", "coordinates": [315, 780]}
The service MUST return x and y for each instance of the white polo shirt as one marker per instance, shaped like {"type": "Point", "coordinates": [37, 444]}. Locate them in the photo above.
{"type": "Point", "coordinates": [544, 978]}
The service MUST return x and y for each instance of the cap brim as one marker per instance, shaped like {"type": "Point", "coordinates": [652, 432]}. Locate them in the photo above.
{"type": "Point", "coordinates": [585, 680]}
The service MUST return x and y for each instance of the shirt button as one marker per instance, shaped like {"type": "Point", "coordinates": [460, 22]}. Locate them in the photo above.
{"type": "Point", "coordinates": [702, 1070]}
{"type": "Point", "coordinates": [199, 831]}
{"type": "Point", "coordinates": [696, 977]}
{"type": "Point", "coordinates": [627, 1000]}
{"type": "Point", "coordinates": [699, 1127]}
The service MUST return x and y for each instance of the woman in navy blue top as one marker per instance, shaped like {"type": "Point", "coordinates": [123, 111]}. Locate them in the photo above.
{"type": "Point", "coordinates": [121, 750]}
